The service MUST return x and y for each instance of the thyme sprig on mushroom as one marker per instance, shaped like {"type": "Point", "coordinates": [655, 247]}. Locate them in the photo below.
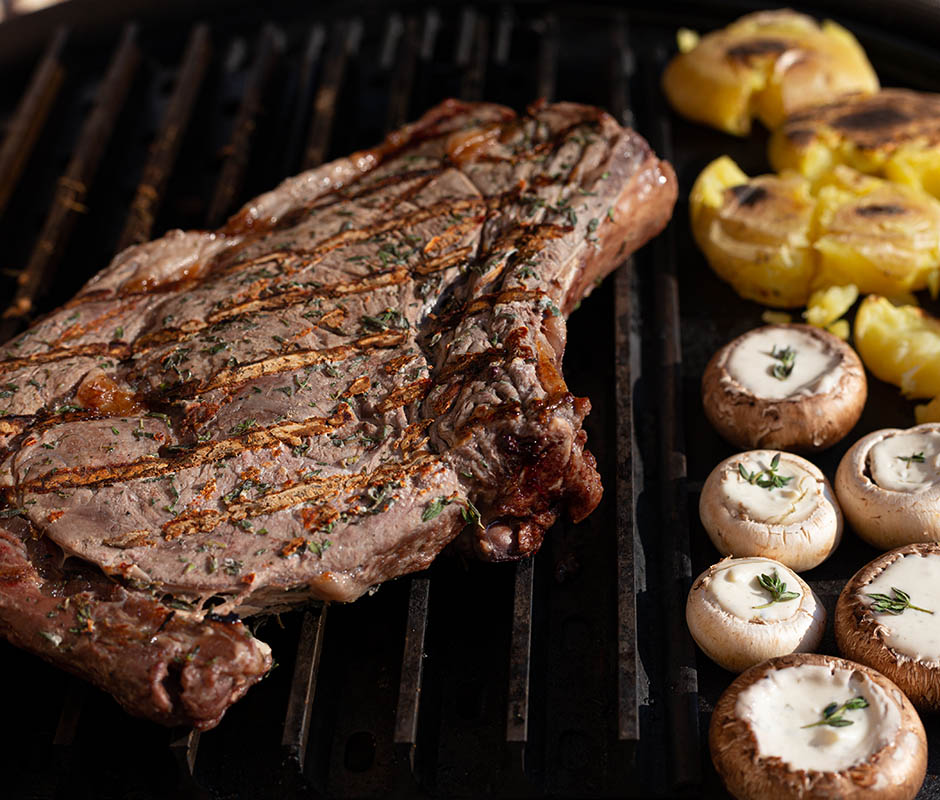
{"type": "Point", "coordinates": [787, 358]}
{"type": "Point", "coordinates": [894, 605]}
{"type": "Point", "coordinates": [917, 458]}
{"type": "Point", "coordinates": [833, 714]}
{"type": "Point", "coordinates": [777, 588]}
{"type": "Point", "coordinates": [766, 478]}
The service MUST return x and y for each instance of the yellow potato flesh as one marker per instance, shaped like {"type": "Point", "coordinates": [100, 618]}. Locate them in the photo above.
{"type": "Point", "coordinates": [755, 232]}
{"type": "Point", "coordinates": [900, 345]}
{"type": "Point", "coordinates": [776, 243]}
{"type": "Point", "coordinates": [825, 306]}
{"type": "Point", "coordinates": [765, 65]}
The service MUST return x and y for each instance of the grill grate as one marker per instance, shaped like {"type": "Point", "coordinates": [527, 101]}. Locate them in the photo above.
{"type": "Point", "coordinates": [569, 674]}
{"type": "Point", "coordinates": [351, 716]}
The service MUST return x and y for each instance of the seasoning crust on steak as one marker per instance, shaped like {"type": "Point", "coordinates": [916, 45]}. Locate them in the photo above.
{"type": "Point", "coordinates": [320, 396]}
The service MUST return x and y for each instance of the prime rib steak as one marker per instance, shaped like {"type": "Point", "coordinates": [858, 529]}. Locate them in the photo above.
{"type": "Point", "coordinates": [362, 364]}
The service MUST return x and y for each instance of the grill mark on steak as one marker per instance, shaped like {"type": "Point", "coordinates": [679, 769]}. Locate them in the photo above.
{"type": "Point", "coordinates": [313, 490]}
{"type": "Point", "coordinates": [284, 433]}
{"type": "Point", "coordinates": [411, 297]}
{"type": "Point", "coordinates": [119, 352]}
{"type": "Point", "coordinates": [289, 362]}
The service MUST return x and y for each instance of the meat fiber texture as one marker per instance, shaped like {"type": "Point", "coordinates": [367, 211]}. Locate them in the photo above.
{"type": "Point", "coordinates": [360, 366]}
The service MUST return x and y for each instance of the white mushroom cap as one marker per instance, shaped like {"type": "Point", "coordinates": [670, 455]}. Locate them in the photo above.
{"type": "Point", "coordinates": [762, 744]}
{"type": "Point", "coordinates": [889, 498]}
{"type": "Point", "coordinates": [798, 524]}
{"type": "Point", "coordinates": [754, 398]}
{"type": "Point", "coordinates": [903, 646]}
{"type": "Point", "coordinates": [731, 618]}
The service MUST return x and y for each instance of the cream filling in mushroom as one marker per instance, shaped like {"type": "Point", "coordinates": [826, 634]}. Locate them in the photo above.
{"type": "Point", "coordinates": [762, 364]}
{"type": "Point", "coordinates": [793, 502]}
{"type": "Point", "coordinates": [734, 587]}
{"type": "Point", "coordinates": [780, 705]}
{"type": "Point", "coordinates": [906, 462]}
{"type": "Point", "coordinates": [911, 632]}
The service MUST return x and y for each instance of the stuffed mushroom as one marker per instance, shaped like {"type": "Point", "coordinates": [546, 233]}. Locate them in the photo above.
{"type": "Point", "coordinates": [888, 617]}
{"type": "Point", "coordinates": [742, 611]}
{"type": "Point", "coordinates": [792, 387]}
{"type": "Point", "coordinates": [771, 504]}
{"type": "Point", "coordinates": [888, 484]}
{"type": "Point", "coordinates": [815, 726]}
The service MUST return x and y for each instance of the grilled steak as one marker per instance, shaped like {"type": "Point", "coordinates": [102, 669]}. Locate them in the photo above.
{"type": "Point", "coordinates": [320, 396]}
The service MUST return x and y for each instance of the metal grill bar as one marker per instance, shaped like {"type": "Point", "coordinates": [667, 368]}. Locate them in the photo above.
{"type": "Point", "coordinates": [344, 43]}
{"type": "Point", "coordinates": [75, 183]}
{"type": "Point", "coordinates": [31, 116]}
{"type": "Point", "coordinates": [184, 744]}
{"type": "Point", "coordinates": [548, 57]}
{"type": "Point", "coordinates": [520, 651]}
{"type": "Point", "coordinates": [681, 677]}
{"type": "Point", "coordinates": [472, 56]}
{"type": "Point", "coordinates": [237, 150]}
{"type": "Point", "coordinates": [403, 75]}
{"type": "Point", "coordinates": [165, 148]}
{"type": "Point", "coordinates": [311, 60]}
{"type": "Point", "coordinates": [626, 353]}
{"type": "Point", "coordinates": [303, 685]}
{"type": "Point", "coordinates": [412, 665]}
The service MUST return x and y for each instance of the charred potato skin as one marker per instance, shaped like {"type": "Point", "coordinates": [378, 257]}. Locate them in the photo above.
{"type": "Point", "coordinates": [806, 424]}
{"type": "Point", "coordinates": [776, 243]}
{"type": "Point", "coordinates": [732, 744]}
{"type": "Point", "coordinates": [754, 232]}
{"type": "Point", "coordinates": [894, 134]}
{"type": "Point", "coordinates": [766, 65]}
{"type": "Point", "coordinates": [920, 681]}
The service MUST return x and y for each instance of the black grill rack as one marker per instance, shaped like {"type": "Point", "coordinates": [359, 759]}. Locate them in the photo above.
{"type": "Point", "coordinates": [570, 674]}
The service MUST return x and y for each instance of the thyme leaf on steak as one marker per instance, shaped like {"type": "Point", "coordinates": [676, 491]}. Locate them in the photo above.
{"type": "Point", "coordinates": [389, 318]}
{"type": "Point", "coordinates": [435, 507]}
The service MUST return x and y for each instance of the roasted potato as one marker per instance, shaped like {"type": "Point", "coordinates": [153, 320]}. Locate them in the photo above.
{"type": "Point", "coordinates": [775, 242]}
{"type": "Point", "coordinates": [900, 345]}
{"type": "Point", "coordinates": [894, 134]}
{"type": "Point", "coordinates": [755, 232]}
{"type": "Point", "coordinates": [767, 65]}
{"type": "Point", "coordinates": [878, 235]}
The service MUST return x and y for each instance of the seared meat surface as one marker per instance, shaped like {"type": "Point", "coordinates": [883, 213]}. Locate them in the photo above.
{"type": "Point", "coordinates": [320, 396]}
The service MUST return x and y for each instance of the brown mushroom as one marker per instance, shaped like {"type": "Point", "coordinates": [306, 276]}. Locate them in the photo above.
{"type": "Point", "coordinates": [898, 631]}
{"type": "Point", "coordinates": [791, 387]}
{"type": "Point", "coordinates": [772, 733]}
{"type": "Point", "coordinates": [888, 484]}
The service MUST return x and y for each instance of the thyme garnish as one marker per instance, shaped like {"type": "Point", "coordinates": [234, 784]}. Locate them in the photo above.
{"type": "Point", "coordinates": [787, 359]}
{"type": "Point", "coordinates": [833, 713]}
{"type": "Point", "coordinates": [777, 588]}
{"type": "Point", "coordinates": [766, 478]}
{"type": "Point", "coordinates": [913, 457]}
{"type": "Point", "coordinates": [894, 605]}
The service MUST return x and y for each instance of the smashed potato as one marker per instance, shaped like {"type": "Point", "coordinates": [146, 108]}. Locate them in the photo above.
{"type": "Point", "coordinates": [894, 134]}
{"type": "Point", "coordinates": [900, 345]}
{"type": "Point", "coordinates": [755, 232]}
{"type": "Point", "coordinates": [767, 65]}
{"type": "Point", "coordinates": [775, 242]}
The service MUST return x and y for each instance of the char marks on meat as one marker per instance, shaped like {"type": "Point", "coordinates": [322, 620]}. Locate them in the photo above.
{"type": "Point", "coordinates": [360, 366]}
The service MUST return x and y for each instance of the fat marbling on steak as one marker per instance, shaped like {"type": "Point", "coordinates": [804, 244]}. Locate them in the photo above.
{"type": "Point", "coordinates": [316, 398]}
